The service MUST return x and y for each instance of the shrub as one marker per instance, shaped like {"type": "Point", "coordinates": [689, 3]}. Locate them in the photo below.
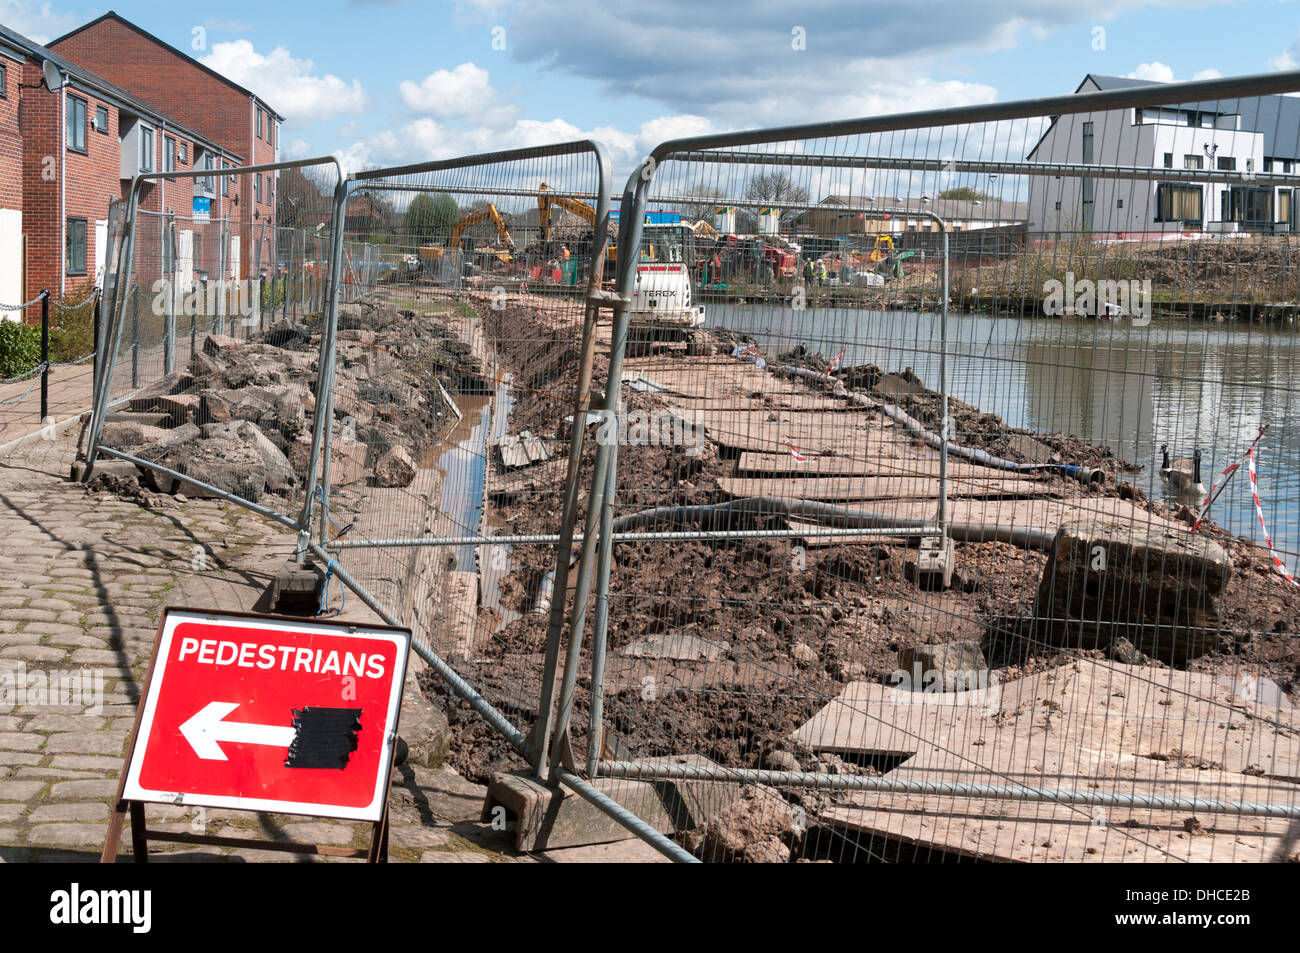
{"type": "Point", "coordinates": [20, 347]}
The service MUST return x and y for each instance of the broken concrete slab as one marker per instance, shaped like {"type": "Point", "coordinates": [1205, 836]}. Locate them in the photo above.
{"type": "Point", "coordinates": [394, 468]}
{"type": "Point", "coordinates": [218, 345]}
{"type": "Point", "coordinates": [679, 646]}
{"type": "Point", "coordinates": [279, 474]}
{"type": "Point", "coordinates": [181, 408]}
{"type": "Point", "coordinates": [1157, 587]}
{"type": "Point", "coordinates": [124, 435]}
{"type": "Point", "coordinates": [548, 817]}
{"type": "Point", "coordinates": [1095, 727]}
{"type": "Point", "coordinates": [956, 666]}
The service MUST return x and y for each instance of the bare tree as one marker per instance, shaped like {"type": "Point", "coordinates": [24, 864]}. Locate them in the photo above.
{"type": "Point", "coordinates": [709, 196]}
{"type": "Point", "coordinates": [779, 189]}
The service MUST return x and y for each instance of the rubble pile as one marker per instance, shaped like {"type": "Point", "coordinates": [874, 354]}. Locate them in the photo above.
{"type": "Point", "coordinates": [239, 415]}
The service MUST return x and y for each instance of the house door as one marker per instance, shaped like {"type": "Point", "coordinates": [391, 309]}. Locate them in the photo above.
{"type": "Point", "coordinates": [11, 261]}
{"type": "Point", "coordinates": [101, 250]}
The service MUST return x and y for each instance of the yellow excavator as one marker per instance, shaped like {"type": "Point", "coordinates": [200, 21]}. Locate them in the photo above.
{"type": "Point", "coordinates": [502, 250]}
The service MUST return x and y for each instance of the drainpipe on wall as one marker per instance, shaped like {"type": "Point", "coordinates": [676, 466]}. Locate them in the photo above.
{"type": "Point", "coordinates": [63, 186]}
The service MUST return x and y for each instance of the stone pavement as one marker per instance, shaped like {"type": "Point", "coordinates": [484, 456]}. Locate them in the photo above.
{"type": "Point", "coordinates": [20, 403]}
{"type": "Point", "coordinates": [83, 579]}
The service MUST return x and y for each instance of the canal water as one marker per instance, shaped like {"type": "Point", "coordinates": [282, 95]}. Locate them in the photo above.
{"type": "Point", "coordinates": [1189, 385]}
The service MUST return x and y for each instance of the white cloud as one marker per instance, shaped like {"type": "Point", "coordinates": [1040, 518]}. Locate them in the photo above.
{"type": "Point", "coordinates": [464, 91]}
{"type": "Point", "coordinates": [289, 85]}
{"type": "Point", "coordinates": [1156, 72]}
{"type": "Point", "coordinates": [1288, 59]}
{"type": "Point", "coordinates": [37, 21]}
{"type": "Point", "coordinates": [297, 149]}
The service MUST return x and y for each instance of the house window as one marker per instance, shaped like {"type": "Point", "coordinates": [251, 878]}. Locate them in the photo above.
{"type": "Point", "coordinates": [101, 119]}
{"type": "Point", "coordinates": [209, 163]}
{"type": "Point", "coordinates": [1249, 206]}
{"type": "Point", "coordinates": [4, 81]}
{"type": "Point", "coordinates": [185, 151]}
{"type": "Point", "coordinates": [1058, 206]}
{"type": "Point", "coordinates": [259, 124]}
{"type": "Point", "coordinates": [1268, 165]}
{"type": "Point", "coordinates": [1169, 160]}
{"type": "Point", "coordinates": [1193, 162]}
{"type": "Point", "coordinates": [266, 192]}
{"type": "Point", "coordinates": [74, 251]}
{"type": "Point", "coordinates": [1087, 142]}
{"type": "Point", "coordinates": [225, 180]}
{"type": "Point", "coordinates": [257, 188]}
{"type": "Point", "coordinates": [1285, 198]}
{"type": "Point", "coordinates": [146, 149]}
{"type": "Point", "coordinates": [1227, 164]}
{"type": "Point", "coordinates": [1119, 203]}
{"type": "Point", "coordinates": [1179, 203]}
{"type": "Point", "coordinates": [76, 124]}
{"type": "Point", "coordinates": [169, 154]}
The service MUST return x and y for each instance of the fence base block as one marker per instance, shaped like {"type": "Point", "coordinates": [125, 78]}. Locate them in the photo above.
{"type": "Point", "coordinates": [295, 590]}
{"type": "Point", "coordinates": [548, 818]}
{"type": "Point", "coordinates": [934, 562]}
{"type": "Point", "coordinates": [104, 466]}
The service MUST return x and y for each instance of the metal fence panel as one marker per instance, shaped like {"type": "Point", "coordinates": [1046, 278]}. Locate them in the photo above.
{"type": "Point", "coordinates": [460, 356]}
{"type": "Point", "coordinates": [889, 546]}
{"type": "Point", "coordinates": [208, 374]}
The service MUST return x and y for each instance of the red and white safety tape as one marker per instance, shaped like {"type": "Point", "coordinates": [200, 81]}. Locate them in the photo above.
{"type": "Point", "coordinates": [1259, 511]}
{"type": "Point", "coordinates": [794, 451]}
{"type": "Point", "coordinates": [830, 368]}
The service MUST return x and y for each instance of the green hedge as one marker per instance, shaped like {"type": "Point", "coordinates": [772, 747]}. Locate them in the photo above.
{"type": "Point", "coordinates": [72, 333]}
{"type": "Point", "coordinates": [20, 348]}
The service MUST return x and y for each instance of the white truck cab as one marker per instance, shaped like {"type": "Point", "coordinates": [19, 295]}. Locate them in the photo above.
{"type": "Point", "coordinates": [661, 297]}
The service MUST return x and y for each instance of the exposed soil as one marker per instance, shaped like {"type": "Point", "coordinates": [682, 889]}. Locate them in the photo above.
{"type": "Point", "coordinates": [798, 622]}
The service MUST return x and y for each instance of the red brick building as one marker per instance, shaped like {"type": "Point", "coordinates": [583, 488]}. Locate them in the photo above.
{"type": "Point", "coordinates": [66, 154]}
{"type": "Point", "coordinates": [226, 113]}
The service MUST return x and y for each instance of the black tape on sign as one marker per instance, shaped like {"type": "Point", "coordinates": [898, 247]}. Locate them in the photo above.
{"type": "Point", "coordinates": [325, 737]}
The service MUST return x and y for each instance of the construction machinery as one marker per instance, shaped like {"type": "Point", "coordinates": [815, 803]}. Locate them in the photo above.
{"type": "Point", "coordinates": [503, 250]}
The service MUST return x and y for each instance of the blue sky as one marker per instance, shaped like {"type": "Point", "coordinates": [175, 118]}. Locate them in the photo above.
{"type": "Point", "coordinates": [391, 81]}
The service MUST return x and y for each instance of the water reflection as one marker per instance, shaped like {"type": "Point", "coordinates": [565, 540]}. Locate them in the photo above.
{"type": "Point", "coordinates": [1184, 384]}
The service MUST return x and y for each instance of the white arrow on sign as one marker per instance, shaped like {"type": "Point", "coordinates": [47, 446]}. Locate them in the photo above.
{"type": "Point", "coordinates": [206, 729]}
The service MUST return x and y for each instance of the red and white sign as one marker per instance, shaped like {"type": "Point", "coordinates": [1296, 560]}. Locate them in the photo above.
{"type": "Point", "coordinates": [269, 714]}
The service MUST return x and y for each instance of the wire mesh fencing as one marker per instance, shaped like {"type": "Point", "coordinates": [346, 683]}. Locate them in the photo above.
{"type": "Point", "coordinates": [929, 496]}
{"type": "Point", "coordinates": [206, 377]}
{"type": "Point", "coordinates": [460, 367]}
{"type": "Point", "coordinates": [919, 543]}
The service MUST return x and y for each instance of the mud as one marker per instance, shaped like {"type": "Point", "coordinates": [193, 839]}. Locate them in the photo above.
{"type": "Point", "coordinates": [798, 622]}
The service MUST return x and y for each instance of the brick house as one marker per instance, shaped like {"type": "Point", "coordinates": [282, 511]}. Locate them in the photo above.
{"type": "Point", "coordinates": [66, 155]}
{"type": "Point", "coordinates": [233, 117]}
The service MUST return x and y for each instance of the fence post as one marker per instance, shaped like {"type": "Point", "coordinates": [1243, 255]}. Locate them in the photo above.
{"type": "Point", "coordinates": [322, 427]}
{"type": "Point", "coordinates": [45, 354]}
{"type": "Point", "coordinates": [135, 337]}
{"type": "Point", "coordinates": [94, 324]}
{"type": "Point", "coordinates": [169, 315]}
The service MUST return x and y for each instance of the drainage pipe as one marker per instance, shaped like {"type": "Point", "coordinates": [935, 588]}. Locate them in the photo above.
{"type": "Point", "coordinates": [917, 429]}
{"type": "Point", "coordinates": [716, 515]}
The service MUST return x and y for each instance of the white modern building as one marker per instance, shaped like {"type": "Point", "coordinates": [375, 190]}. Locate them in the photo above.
{"type": "Point", "coordinates": [1243, 137]}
